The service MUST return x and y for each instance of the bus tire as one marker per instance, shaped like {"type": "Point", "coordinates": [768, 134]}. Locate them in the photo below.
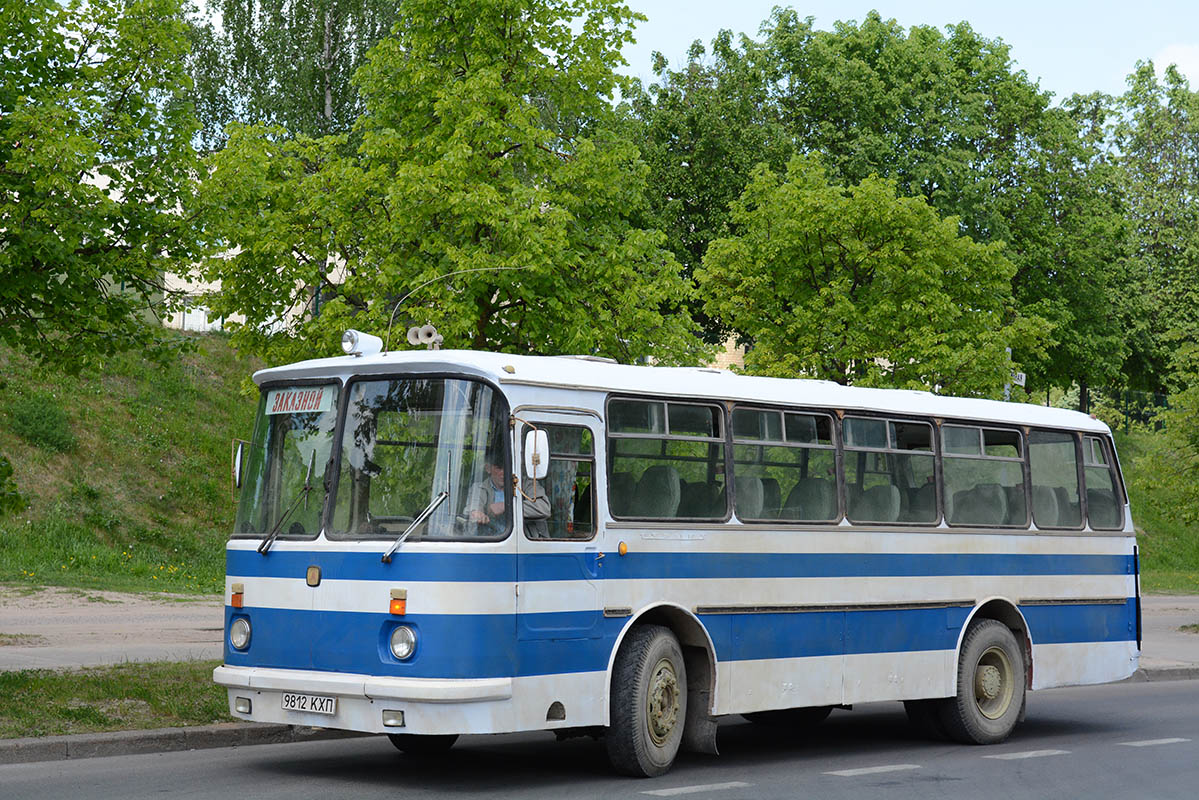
{"type": "Point", "coordinates": [648, 703]}
{"type": "Point", "coordinates": [990, 686]}
{"type": "Point", "coordinates": [423, 745]}
{"type": "Point", "coordinates": [794, 719]}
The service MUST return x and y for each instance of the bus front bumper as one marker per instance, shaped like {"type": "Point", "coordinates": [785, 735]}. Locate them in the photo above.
{"type": "Point", "coordinates": [364, 702]}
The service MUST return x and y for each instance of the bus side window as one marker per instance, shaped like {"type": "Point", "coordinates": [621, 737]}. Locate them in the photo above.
{"type": "Point", "coordinates": [890, 470]}
{"type": "Point", "coordinates": [666, 460]}
{"type": "Point", "coordinates": [1104, 507]}
{"type": "Point", "coordinates": [569, 487]}
{"type": "Point", "coordinates": [1053, 463]}
{"type": "Point", "coordinates": [784, 466]}
{"type": "Point", "coordinates": [984, 476]}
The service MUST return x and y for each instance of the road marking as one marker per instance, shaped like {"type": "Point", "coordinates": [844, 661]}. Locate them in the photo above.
{"type": "Point", "coordinates": [1031, 754]}
{"type": "Point", "coordinates": [1152, 742]}
{"type": "Point", "coordinates": [705, 787]}
{"type": "Point", "coordinates": [849, 773]}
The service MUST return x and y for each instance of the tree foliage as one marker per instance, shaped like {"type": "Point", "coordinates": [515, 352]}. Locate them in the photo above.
{"type": "Point", "coordinates": [949, 118]}
{"type": "Point", "coordinates": [702, 129]}
{"type": "Point", "coordinates": [286, 63]}
{"type": "Point", "coordinates": [861, 285]}
{"type": "Point", "coordinates": [96, 164]}
{"type": "Point", "coordinates": [1158, 145]}
{"type": "Point", "coordinates": [489, 157]}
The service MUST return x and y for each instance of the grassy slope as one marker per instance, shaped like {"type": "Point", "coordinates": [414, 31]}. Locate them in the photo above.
{"type": "Point", "coordinates": [1169, 547]}
{"type": "Point", "coordinates": [143, 499]}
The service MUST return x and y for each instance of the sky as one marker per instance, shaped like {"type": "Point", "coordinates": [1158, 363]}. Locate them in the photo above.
{"type": "Point", "coordinates": [1067, 46]}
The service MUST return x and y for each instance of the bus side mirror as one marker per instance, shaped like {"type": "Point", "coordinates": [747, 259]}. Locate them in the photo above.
{"type": "Point", "coordinates": [537, 454]}
{"type": "Point", "coordinates": [239, 452]}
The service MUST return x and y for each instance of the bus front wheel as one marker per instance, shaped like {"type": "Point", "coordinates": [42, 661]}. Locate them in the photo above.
{"type": "Point", "coordinates": [990, 686]}
{"type": "Point", "coordinates": [648, 703]}
{"type": "Point", "coordinates": [418, 745]}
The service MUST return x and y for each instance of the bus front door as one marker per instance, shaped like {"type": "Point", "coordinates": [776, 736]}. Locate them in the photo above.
{"type": "Point", "coordinates": [560, 564]}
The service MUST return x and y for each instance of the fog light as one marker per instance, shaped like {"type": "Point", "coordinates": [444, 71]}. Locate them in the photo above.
{"type": "Point", "coordinates": [403, 642]}
{"type": "Point", "coordinates": [393, 719]}
{"type": "Point", "coordinates": [242, 705]}
{"type": "Point", "coordinates": [239, 633]}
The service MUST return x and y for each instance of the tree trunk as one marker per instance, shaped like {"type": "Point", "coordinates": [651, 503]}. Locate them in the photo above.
{"type": "Point", "coordinates": [1084, 396]}
{"type": "Point", "coordinates": [328, 65]}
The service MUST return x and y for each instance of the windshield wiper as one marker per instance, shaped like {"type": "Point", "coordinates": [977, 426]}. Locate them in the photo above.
{"type": "Point", "coordinates": [266, 543]}
{"type": "Point", "coordinates": [421, 517]}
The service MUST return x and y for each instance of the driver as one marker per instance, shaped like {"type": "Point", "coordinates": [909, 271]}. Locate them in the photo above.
{"type": "Point", "coordinates": [485, 503]}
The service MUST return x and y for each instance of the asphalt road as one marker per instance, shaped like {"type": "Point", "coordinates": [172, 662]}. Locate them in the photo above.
{"type": "Point", "coordinates": [1132, 740]}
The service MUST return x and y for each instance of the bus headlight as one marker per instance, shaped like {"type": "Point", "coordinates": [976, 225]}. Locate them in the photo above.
{"type": "Point", "coordinates": [403, 642]}
{"type": "Point", "coordinates": [239, 633]}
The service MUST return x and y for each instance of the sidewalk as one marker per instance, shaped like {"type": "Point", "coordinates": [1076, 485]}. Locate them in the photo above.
{"type": "Point", "coordinates": [56, 628]}
{"type": "Point", "coordinates": [63, 628]}
{"type": "Point", "coordinates": [1167, 651]}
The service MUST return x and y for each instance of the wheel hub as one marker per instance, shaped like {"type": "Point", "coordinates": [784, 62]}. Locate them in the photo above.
{"type": "Point", "coordinates": [663, 701]}
{"type": "Point", "coordinates": [994, 682]}
{"type": "Point", "coordinates": [988, 682]}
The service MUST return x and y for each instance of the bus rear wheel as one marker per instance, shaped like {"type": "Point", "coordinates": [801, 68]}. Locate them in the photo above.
{"type": "Point", "coordinates": [417, 745]}
{"type": "Point", "coordinates": [990, 686]}
{"type": "Point", "coordinates": [648, 703]}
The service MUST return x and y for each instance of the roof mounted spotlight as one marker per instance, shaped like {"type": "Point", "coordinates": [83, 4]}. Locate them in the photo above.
{"type": "Point", "coordinates": [357, 343]}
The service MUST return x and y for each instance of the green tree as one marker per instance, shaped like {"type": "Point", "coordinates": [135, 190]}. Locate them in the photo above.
{"type": "Point", "coordinates": [702, 129]}
{"type": "Point", "coordinates": [860, 285]}
{"type": "Point", "coordinates": [96, 164]}
{"type": "Point", "coordinates": [949, 118]}
{"type": "Point", "coordinates": [287, 63]}
{"type": "Point", "coordinates": [1158, 143]}
{"type": "Point", "coordinates": [1071, 243]}
{"type": "Point", "coordinates": [490, 166]}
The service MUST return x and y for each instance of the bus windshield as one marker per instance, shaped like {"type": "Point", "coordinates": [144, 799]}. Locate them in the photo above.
{"type": "Point", "coordinates": [283, 491]}
{"type": "Point", "coordinates": [408, 440]}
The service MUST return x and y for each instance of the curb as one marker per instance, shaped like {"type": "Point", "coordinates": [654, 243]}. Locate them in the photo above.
{"type": "Point", "coordinates": [160, 740]}
{"type": "Point", "coordinates": [1189, 673]}
{"type": "Point", "coordinates": [244, 734]}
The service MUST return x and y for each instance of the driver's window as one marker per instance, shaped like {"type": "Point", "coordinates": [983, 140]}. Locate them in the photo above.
{"type": "Point", "coordinates": [562, 505]}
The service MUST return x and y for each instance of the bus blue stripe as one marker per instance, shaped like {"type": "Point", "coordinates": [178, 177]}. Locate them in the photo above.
{"type": "Point", "coordinates": [482, 646]}
{"type": "Point", "coordinates": [502, 567]}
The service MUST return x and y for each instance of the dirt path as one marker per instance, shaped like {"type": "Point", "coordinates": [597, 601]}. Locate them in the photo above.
{"type": "Point", "coordinates": [56, 628]}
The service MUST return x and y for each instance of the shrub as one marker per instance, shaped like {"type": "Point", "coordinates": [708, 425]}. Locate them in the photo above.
{"type": "Point", "coordinates": [40, 420]}
{"type": "Point", "coordinates": [10, 499]}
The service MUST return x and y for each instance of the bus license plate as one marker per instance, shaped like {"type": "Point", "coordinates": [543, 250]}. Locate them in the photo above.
{"type": "Point", "coordinates": [309, 702]}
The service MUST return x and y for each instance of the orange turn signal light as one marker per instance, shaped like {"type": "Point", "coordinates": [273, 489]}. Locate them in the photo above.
{"type": "Point", "coordinates": [399, 602]}
{"type": "Point", "coordinates": [237, 598]}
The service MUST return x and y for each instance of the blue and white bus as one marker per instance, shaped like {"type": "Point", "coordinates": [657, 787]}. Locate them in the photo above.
{"type": "Point", "coordinates": [438, 543]}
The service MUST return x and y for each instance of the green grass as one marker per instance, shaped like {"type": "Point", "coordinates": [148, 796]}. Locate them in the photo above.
{"type": "Point", "coordinates": [126, 470]}
{"type": "Point", "coordinates": [121, 697]}
{"type": "Point", "coordinates": [1194, 628]}
{"type": "Point", "coordinates": [1169, 545]}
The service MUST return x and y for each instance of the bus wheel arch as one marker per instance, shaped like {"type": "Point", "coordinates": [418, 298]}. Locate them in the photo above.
{"type": "Point", "coordinates": [699, 657]}
{"type": "Point", "coordinates": [1005, 611]}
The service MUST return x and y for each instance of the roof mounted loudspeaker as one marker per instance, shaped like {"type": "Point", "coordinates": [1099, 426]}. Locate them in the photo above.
{"type": "Point", "coordinates": [426, 335]}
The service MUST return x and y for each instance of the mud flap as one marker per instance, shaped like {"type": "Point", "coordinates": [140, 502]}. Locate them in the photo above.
{"type": "Point", "coordinates": [699, 729]}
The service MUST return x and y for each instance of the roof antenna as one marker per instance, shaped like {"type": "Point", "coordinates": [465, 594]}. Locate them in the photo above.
{"type": "Point", "coordinates": [391, 319]}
